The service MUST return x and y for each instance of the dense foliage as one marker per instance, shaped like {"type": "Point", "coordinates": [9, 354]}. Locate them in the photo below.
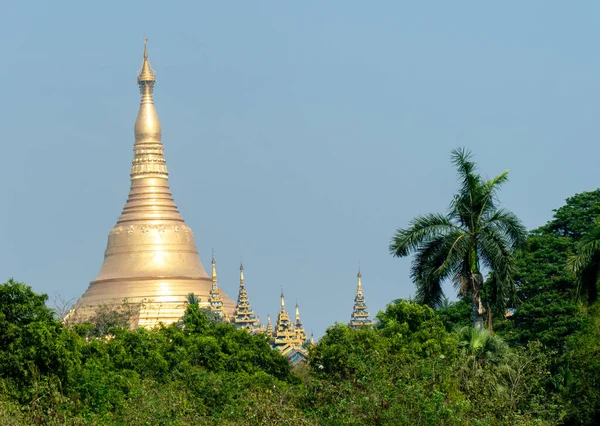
{"type": "Point", "coordinates": [407, 370]}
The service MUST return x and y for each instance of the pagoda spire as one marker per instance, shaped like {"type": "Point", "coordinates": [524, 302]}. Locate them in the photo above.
{"type": "Point", "coordinates": [269, 326]}
{"type": "Point", "coordinates": [243, 316]}
{"type": "Point", "coordinates": [299, 327]}
{"type": "Point", "coordinates": [148, 160]}
{"type": "Point", "coordinates": [216, 304]}
{"type": "Point", "coordinates": [359, 285]}
{"type": "Point", "coordinates": [242, 275]}
{"type": "Point", "coordinates": [360, 315]}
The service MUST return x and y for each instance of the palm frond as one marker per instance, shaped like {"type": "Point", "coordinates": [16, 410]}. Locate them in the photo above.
{"type": "Point", "coordinates": [423, 272]}
{"type": "Point", "coordinates": [459, 244]}
{"type": "Point", "coordinates": [585, 265]}
{"type": "Point", "coordinates": [434, 262]}
{"type": "Point", "coordinates": [461, 158]}
{"type": "Point", "coordinates": [192, 299]}
{"type": "Point", "coordinates": [469, 193]}
{"type": "Point", "coordinates": [488, 192]}
{"type": "Point", "coordinates": [496, 254]}
{"type": "Point", "coordinates": [429, 292]}
{"type": "Point", "coordinates": [508, 225]}
{"type": "Point", "coordinates": [420, 230]}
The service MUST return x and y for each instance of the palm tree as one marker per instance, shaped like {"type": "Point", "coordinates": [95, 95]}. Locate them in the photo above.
{"type": "Point", "coordinates": [585, 265]}
{"type": "Point", "coordinates": [192, 299]}
{"type": "Point", "coordinates": [475, 233]}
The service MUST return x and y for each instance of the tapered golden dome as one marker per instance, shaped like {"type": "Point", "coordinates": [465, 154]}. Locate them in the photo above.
{"type": "Point", "coordinates": [151, 257]}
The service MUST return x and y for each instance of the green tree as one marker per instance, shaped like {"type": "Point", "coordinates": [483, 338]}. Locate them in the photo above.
{"type": "Point", "coordinates": [546, 291]}
{"type": "Point", "coordinates": [576, 218]}
{"type": "Point", "coordinates": [546, 308]}
{"type": "Point", "coordinates": [455, 314]}
{"type": "Point", "coordinates": [582, 392]}
{"type": "Point", "coordinates": [36, 352]}
{"type": "Point", "coordinates": [474, 234]}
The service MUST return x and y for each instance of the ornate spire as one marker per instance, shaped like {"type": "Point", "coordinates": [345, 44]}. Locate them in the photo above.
{"type": "Point", "coordinates": [216, 304]}
{"type": "Point", "coordinates": [360, 315]}
{"type": "Point", "coordinates": [150, 196]}
{"type": "Point", "coordinates": [269, 326]}
{"type": "Point", "coordinates": [312, 338]}
{"type": "Point", "coordinates": [148, 158]}
{"type": "Point", "coordinates": [146, 74]}
{"type": "Point", "coordinates": [243, 316]}
{"type": "Point", "coordinates": [298, 327]}
{"type": "Point", "coordinates": [282, 302]}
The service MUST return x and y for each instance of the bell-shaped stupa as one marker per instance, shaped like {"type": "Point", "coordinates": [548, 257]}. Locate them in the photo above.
{"type": "Point", "coordinates": [151, 259]}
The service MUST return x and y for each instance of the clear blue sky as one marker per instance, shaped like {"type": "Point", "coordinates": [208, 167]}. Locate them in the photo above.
{"type": "Point", "coordinates": [298, 135]}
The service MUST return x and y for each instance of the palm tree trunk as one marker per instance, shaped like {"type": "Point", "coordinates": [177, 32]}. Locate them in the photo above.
{"type": "Point", "coordinates": [490, 321]}
{"type": "Point", "coordinates": [477, 317]}
{"type": "Point", "coordinates": [477, 305]}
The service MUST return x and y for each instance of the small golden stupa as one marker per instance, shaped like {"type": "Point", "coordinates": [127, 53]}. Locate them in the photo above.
{"type": "Point", "coordinates": [151, 259]}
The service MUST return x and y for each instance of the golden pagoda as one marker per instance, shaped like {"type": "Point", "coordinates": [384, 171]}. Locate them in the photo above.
{"type": "Point", "coordinates": [151, 259]}
{"type": "Point", "coordinates": [360, 315]}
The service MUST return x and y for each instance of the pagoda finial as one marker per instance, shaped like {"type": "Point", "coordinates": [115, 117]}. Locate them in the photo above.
{"type": "Point", "coordinates": [146, 73]}
{"type": "Point", "coordinates": [214, 268]}
{"type": "Point", "coordinates": [312, 338]}
{"type": "Point", "coordinates": [282, 302]}
{"type": "Point", "coordinates": [242, 275]}
{"type": "Point", "coordinates": [297, 312]}
{"type": "Point", "coordinates": [359, 277]}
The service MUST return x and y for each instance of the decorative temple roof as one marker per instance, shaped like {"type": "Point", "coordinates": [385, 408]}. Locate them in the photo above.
{"type": "Point", "coordinates": [243, 316]}
{"type": "Point", "coordinates": [360, 315]}
{"type": "Point", "coordinates": [216, 304]}
{"type": "Point", "coordinates": [285, 335]}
